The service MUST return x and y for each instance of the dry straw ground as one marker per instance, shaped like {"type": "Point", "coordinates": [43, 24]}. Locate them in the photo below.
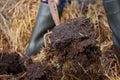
{"type": "Point", "coordinates": [17, 18]}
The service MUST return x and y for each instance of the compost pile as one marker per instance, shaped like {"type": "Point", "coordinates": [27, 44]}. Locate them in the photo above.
{"type": "Point", "coordinates": [71, 54]}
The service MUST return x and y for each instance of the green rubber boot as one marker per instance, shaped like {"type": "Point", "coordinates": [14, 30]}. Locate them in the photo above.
{"type": "Point", "coordinates": [44, 22]}
{"type": "Point", "coordinates": [112, 8]}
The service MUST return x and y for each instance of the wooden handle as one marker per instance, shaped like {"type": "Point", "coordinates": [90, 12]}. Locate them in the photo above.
{"type": "Point", "coordinates": [54, 11]}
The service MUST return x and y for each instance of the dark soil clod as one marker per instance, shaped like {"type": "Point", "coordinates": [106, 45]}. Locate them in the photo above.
{"type": "Point", "coordinates": [72, 54]}
{"type": "Point", "coordinates": [10, 63]}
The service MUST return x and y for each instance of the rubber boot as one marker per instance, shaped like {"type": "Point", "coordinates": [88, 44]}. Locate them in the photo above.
{"type": "Point", "coordinates": [44, 22]}
{"type": "Point", "coordinates": [112, 8]}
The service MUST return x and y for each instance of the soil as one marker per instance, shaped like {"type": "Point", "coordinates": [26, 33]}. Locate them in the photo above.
{"type": "Point", "coordinates": [10, 63]}
{"type": "Point", "coordinates": [73, 54]}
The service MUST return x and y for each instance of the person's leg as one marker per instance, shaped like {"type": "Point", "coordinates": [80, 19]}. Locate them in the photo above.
{"type": "Point", "coordinates": [43, 23]}
{"type": "Point", "coordinates": [112, 8]}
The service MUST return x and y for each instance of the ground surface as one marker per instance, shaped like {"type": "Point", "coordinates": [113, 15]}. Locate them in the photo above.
{"type": "Point", "coordinates": [79, 49]}
{"type": "Point", "coordinates": [73, 54]}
